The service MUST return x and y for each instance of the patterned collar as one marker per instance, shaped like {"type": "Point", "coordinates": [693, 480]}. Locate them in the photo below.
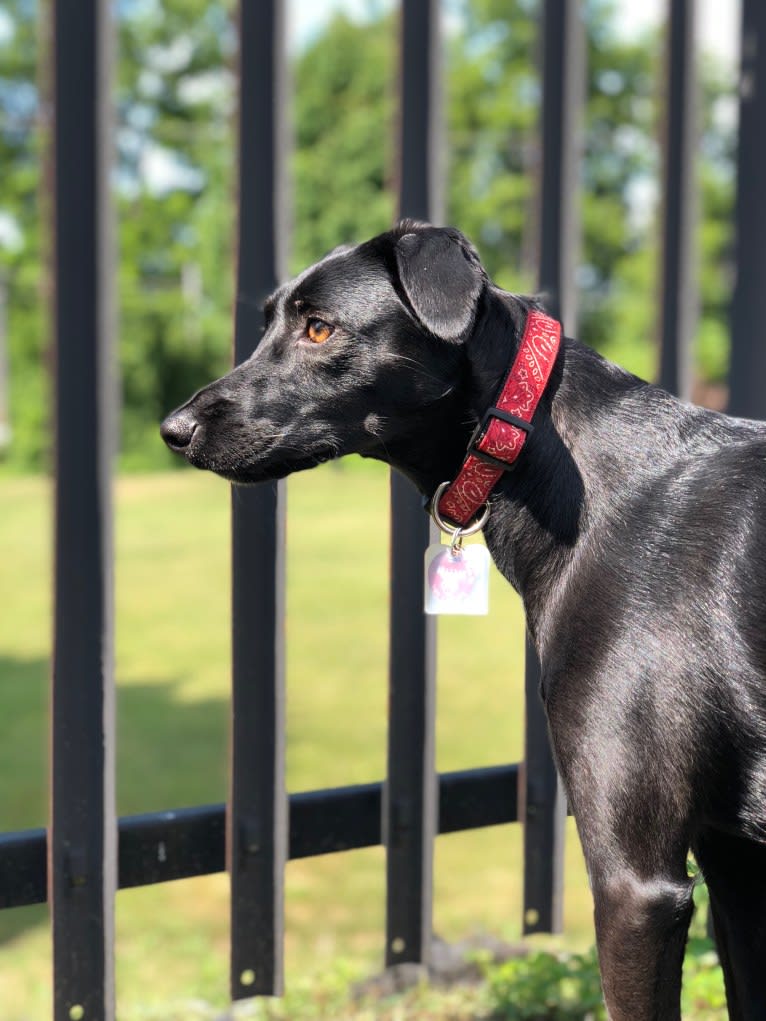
{"type": "Point", "coordinates": [502, 432]}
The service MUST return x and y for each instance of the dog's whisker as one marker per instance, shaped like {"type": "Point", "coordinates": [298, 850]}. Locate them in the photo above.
{"type": "Point", "coordinates": [392, 356]}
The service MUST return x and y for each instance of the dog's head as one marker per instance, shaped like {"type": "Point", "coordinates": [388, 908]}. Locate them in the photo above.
{"type": "Point", "coordinates": [359, 354]}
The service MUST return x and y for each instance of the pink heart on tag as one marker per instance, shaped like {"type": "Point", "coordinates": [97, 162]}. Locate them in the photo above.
{"type": "Point", "coordinates": [451, 576]}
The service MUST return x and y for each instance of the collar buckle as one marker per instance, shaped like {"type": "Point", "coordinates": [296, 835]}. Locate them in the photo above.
{"type": "Point", "coordinates": [479, 431]}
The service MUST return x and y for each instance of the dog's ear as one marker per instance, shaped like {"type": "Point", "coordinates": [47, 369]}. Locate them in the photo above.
{"type": "Point", "coordinates": [442, 278]}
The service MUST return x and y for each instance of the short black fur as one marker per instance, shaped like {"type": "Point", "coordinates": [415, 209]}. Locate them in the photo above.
{"type": "Point", "coordinates": [633, 528]}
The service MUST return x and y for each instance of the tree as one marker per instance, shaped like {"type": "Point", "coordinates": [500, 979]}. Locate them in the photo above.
{"type": "Point", "coordinates": [175, 190]}
{"type": "Point", "coordinates": [175, 208]}
{"type": "Point", "coordinates": [343, 161]}
{"type": "Point", "coordinates": [23, 135]}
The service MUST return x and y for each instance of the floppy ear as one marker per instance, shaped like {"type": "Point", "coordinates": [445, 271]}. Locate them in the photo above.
{"type": "Point", "coordinates": [442, 279]}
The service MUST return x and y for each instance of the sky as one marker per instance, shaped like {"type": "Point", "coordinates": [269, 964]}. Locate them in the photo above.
{"type": "Point", "coordinates": [718, 27]}
{"type": "Point", "coordinates": [718, 22]}
{"type": "Point", "coordinates": [717, 30]}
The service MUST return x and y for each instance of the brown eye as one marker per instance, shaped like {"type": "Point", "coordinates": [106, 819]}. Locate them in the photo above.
{"type": "Point", "coordinates": [318, 331]}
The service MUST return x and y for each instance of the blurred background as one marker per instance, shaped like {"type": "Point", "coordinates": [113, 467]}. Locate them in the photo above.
{"type": "Point", "coordinates": [173, 188]}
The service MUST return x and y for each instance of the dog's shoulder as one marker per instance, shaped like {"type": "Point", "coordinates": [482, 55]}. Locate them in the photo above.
{"type": "Point", "coordinates": [724, 443]}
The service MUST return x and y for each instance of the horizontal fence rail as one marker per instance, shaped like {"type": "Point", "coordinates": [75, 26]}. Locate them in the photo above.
{"type": "Point", "coordinates": [162, 846]}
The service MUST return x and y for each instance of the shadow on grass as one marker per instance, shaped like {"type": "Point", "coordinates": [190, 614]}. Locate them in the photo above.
{"type": "Point", "coordinates": [171, 753]}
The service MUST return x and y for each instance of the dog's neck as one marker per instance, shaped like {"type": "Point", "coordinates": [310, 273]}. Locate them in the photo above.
{"type": "Point", "coordinates": [543, 512]}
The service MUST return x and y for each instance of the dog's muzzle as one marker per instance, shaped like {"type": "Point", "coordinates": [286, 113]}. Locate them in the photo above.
{"type": "Point", "coordinates": [178, 429]}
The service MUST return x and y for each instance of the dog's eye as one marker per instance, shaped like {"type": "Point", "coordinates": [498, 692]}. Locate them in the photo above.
{"type": "Point", "coordinates": [318, 331]}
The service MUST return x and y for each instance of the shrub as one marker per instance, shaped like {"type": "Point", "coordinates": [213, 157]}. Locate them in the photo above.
{"type": "Point", "coordinates": [547, 987]}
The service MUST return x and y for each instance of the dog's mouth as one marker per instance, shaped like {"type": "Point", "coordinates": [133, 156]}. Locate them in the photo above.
{"type": "Point", "coordinates": [250, 475]}
{"type": "Point", "coordinates": [272, 470]}
{"type": "Point", "coordinates": [257, 464]}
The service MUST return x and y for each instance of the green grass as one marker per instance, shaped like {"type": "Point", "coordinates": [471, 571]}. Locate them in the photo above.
{"type": "Point", "coordinates": [172, 589]}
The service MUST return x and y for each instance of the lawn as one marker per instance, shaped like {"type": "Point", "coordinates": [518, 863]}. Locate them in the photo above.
{"type": "Point", "coordinates": [172, 588]}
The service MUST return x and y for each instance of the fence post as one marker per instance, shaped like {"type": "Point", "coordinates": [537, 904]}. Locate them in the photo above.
{"type": "Point", "coordinates": [678, 284]}
{"type": "Point", "coordinates": [257, 817]}
{"type": "Point", "coordinates": [410, 803]}
{"type": "Point", "coordinates": [82, 862]}
{"type": "Point", "coordinates": [563, 94]}
{"type": "Point", "coordinates": [747, 373]}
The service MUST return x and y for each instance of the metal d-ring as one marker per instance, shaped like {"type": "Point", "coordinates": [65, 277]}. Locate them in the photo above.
{"type": "Point", "coordinates": [458, 533]}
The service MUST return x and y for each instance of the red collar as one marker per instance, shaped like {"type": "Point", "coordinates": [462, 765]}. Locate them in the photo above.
{"type": "Point", "coordinates": [500, 436]}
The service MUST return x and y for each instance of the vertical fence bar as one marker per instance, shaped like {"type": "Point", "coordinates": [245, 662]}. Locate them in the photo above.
{"type": "Point", "coordinates": [82, 866]}
{"type": "Point", "coordinates": [678, 287]}
{"type": "Point", "coordinates": [563, 96]}
{"type": "Point", "coordinates": [747, 373]}
{"type": "Point", "coordinates": [747, 369]}
{"type": "Point", "coordinates": [257, 812]}
{"type": "Point", "coordinates": [410, 804]}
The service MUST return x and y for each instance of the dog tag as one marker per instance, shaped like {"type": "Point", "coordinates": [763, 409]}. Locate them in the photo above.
{"type": "Point", "coordinates": [457, 581]}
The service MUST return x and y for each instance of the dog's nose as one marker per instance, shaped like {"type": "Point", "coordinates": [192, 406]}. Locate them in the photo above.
{"type": "Point", "coordinates": [177, 430]}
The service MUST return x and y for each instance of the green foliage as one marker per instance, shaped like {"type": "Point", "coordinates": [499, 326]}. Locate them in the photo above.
{"type": "Point", "coordinates": [23, 133]}
{"type": "Point", "coordinates": [492, 112]}
{"type": "Point", "coordinates": [343, 162]}
{"type": "Point", "coordinates": [566, 987]}
{"type": "Point", "coordinates": [176, 99]}
{"type": "Point", "coordinates": [704, 996]}
{"type": "Point", "coordinates": [547, 987]}
{"type": "Point", "coordinates": [175, 189]}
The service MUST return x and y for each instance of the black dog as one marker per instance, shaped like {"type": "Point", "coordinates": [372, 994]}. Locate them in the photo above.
{"type": "Point", "coordinates": [633, 526]}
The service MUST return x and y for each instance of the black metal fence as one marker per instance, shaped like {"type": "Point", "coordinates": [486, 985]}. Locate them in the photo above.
{"type": "Point", "coordinates": [86, 852]}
